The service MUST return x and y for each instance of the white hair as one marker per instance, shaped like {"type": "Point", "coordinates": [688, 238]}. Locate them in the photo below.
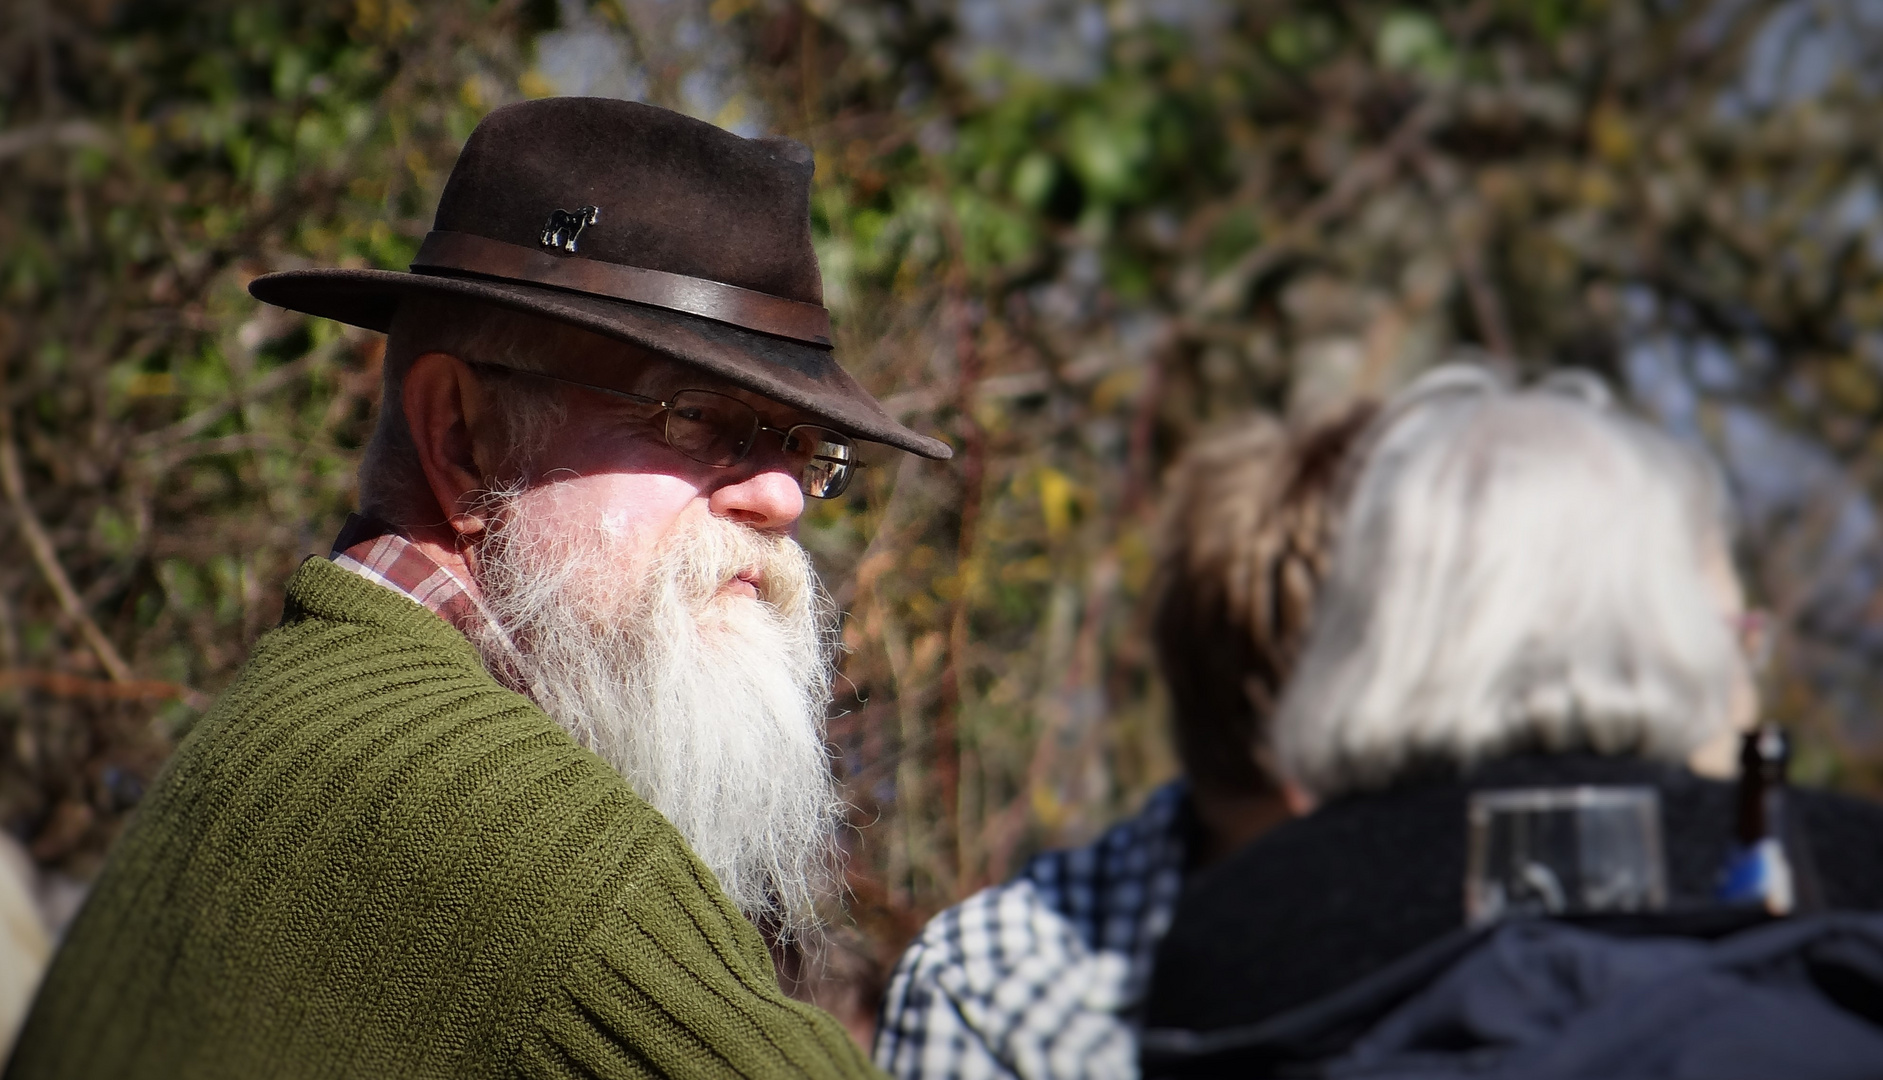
{"type": "Point", "coordinates": [1518, 571]}
{"type": "Point", "coordinates": [711, 706]}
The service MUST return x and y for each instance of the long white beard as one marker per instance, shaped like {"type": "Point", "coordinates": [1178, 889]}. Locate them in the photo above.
{"type": "Point", "coordinates": [712, 706]}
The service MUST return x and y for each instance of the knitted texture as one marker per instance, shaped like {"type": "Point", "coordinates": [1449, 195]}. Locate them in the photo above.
{"type": "Point", "coordinates": [370, 859]}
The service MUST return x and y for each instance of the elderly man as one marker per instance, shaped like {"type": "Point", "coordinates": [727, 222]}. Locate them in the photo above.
{"type": "Point", "coordinates": [530, 753]}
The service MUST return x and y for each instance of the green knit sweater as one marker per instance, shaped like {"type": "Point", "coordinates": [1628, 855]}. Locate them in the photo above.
{"type": "Point", "coordinates": [370, 859]}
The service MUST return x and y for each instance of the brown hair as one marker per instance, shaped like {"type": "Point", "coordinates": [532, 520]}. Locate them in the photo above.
{"type": "Point", "coordinates": [1244, 542]}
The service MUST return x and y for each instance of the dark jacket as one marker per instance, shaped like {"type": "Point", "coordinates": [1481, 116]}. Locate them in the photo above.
{"type": "Point", "coordinates": [1323, 901]}
{"type": "Point", "coordinates": [1667, 997]}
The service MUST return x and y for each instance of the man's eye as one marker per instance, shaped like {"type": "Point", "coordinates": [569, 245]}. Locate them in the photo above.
{"type": "Point", "coordinates": [691, 413]}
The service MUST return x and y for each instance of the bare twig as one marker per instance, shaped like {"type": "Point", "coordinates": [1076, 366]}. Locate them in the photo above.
{"type": "Point", "coordinates": [63, 684]}
{"type": "Point", "coordinates": [1487, 305]}
{"type": "Point", "coordinates": [13, 483]}
{"type": "Point", "coordinates": [70, 133]}
{"type": "Point", "coordinates": [1467, 221]}
{"type": "Point", "coordinates": [1377, 167]}
{"type": "Point", "coordinates": [200, 420]}
{"type": "Point", "coordinates": [955, 680]}
{"type": "Point", "coordinates": [250, 441]}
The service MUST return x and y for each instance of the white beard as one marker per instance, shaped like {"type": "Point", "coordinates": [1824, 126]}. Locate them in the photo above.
{"type": "Point", "coordinates": [711, 706]}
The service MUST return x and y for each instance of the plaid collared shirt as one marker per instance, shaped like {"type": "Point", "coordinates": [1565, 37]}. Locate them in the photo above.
{"type": "Point", "coordinates": [1043, 976]}
{"type": "Point", "coordinates": [377, 552]}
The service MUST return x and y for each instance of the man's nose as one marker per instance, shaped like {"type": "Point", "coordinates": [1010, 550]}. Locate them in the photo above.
{"type": "Point", "coordinates": [764, 498]}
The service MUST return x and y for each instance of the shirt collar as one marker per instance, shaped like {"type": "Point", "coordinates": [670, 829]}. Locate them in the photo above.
{"type": "Point", "coordinates": [378, 552]}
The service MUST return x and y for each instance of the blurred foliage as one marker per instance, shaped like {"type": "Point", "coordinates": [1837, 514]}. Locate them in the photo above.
{"type": "Point", "coordinates": [178, 447]}
{"type": "Point", "coordinates": [1280, 205]}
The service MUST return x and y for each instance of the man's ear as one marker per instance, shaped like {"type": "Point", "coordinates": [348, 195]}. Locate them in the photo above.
{"type": "Point", "coordinates": [444, 405]}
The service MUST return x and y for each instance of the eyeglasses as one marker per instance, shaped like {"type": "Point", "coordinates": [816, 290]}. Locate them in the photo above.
{"type": "Point", "coordinates": [720, 430]}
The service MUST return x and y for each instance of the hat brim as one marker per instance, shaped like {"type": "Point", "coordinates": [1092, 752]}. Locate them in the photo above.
{"type": "Point", "coordinates": [790, 372]}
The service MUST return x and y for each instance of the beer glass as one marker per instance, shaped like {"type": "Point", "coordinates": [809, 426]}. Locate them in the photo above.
{"type": "Point", "coordinates": [1564, 851]}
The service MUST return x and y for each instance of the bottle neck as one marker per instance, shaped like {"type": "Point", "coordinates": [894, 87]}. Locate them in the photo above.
{"type": "Point", "coordinates": [1764, 758]}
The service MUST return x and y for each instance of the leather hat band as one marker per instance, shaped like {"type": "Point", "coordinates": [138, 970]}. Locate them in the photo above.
{"type": "Point", "coordinates": [455, 252]}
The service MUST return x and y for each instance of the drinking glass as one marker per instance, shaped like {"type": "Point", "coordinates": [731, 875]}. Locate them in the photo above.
{"type": "Point", "coordinates": [1564, 851]}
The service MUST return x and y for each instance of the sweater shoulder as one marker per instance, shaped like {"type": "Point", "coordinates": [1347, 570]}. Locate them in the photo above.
{"type": "Point", "coordinates": [366, 853]}
{"type": "Point", "coordinates": [361, 689]}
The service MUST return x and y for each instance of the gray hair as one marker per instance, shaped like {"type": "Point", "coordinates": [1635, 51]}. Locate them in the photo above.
{"type": "Point", "coordinates": [496, 340]}
{"type": "Point", "coordinates": [1518, 570]}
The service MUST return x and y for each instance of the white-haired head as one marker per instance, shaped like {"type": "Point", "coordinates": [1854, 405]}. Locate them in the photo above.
{"type": "Point", "coordinates": [1520, 570]}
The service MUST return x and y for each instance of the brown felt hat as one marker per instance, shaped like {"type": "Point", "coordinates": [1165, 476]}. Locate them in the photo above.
{"type": "Point", "coordinates": [640, 224]}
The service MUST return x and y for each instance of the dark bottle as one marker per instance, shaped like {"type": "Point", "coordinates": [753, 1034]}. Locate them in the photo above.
{"type": "Point", "coordinates": [1764, 763]}
{"type": "Point", "coordinates": [1761, 870]}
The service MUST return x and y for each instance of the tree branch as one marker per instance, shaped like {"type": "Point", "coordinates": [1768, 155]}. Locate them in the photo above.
{"type": "Point", "coordinates": [24, 140]}
{"type": "Point", "coordinates": [199, 421]}
{"type": "Point", "coordinates": [13, 484]}
{"type": "Point", "coordinates": [1222, 292]}
{"type": "Point", "coordinates": [63, 684]}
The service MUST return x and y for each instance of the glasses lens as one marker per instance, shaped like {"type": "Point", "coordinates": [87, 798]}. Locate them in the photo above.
{"type": "Point", "coordinates": [824, 458]}
{"type": "Point", "coordinates": [711, 428]}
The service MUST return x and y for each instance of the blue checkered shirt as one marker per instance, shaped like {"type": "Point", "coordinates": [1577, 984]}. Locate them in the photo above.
{"type": "Point", "coordinates": [1043, 976]}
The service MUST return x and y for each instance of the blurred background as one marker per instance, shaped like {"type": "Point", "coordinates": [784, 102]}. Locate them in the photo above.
{"type": "Point", "coordinates": [1066, 235]}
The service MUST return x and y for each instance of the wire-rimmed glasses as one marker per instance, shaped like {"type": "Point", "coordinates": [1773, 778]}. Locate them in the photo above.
{"type": "Point", "coordinates": [720, 430]}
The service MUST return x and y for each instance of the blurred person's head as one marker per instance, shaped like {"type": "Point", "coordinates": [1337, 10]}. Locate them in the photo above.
{"type": "Point", "coordinates": [656, 607]}
{"type": "Point", "coordinates": [1518, 571]}
{"type": "Point", "coordinates": [1244, 542]}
